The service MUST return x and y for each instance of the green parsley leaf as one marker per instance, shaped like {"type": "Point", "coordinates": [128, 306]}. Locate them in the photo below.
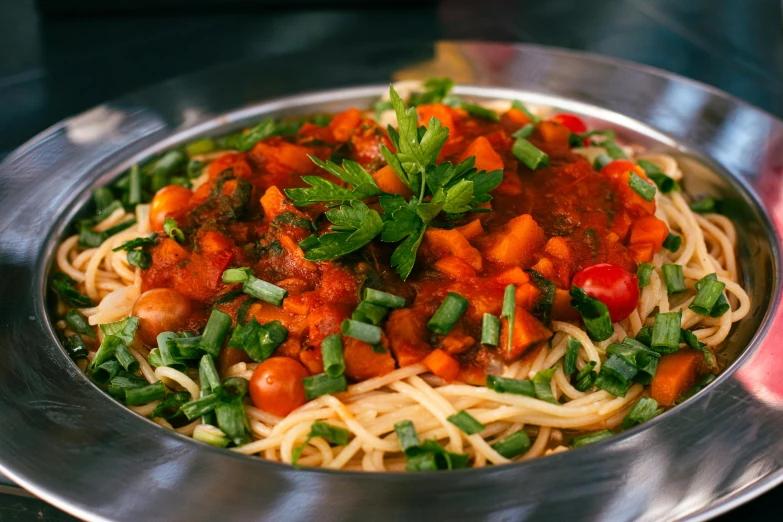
{"type": "Point", "coordinates": [354, 226]}
{"type": "Point", "coordinates": [459, 197]}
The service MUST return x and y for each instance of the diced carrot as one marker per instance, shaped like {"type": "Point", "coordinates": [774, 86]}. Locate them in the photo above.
{"type": "Point", "coordinates": [513, 276]}
{"type": "Point", "coordinates": [642, 252]}
{"type": "Point", "coordinates": [315, 132]}
{"type": "Point", "coordinates": [620, 167]}
{"type": "Point", "coordinates": [296, 305]}
{"type": "Point", "coordinates": [676, 373]}
{"type": "Point", "coordinates": [169, 252]}
{"type": "Point", "coordinates": [275, 203]}
{"type": "Point", "coordinates": [486, 157]}
{"type": "Point", "coordinates": [363, 362]}
{"type": "Point", "coordinates": [454, 267]}
{"type": "Point", "coordinates": [339, 285]}
{"type": "Point", "coordinates": [619, 173]}
{"type": "Point", "coordinates": [345, 123]}
{"type": "Point", "coordinates": [545, 267]}
{"type": "Point", "coordinates": [295, 287]}
{"type": "Point", "coordinates": [441, 242]}
{"type": "Point", "coordinates": [516, 116]}
{"type": "Point", "coordinates": [472, 230]}
{"type": "Point", "coordinates": [212, 241]}
{"type": "Point", "coordinates": [517, 242]}
{"type": "Point", "coordinates": [442, 364]}
{"type": "Point", "coordinates": [561, 307]}
{"type": "Point", "coordinates": [528, 331]}
{"type": "Point", "coordinates": [296, 255]}
{"type": "Point", "coordinates": [457, 341]}
{"type": "Point", "coordinates": [649, 229]}
{"type": "Point", "coordinates": [281, 158]}
{"type": "Point", "coordinates": [527, 295]}
{"type": "Point", "coordinates": [443, 113]}
{"type": "Point", "coordinates": [324, 321]}
{"type": "Point", "coordinates": [558, 248]}
{"type": "Point", "coordinates": [236, 161]}
{"type": "Point", "coordinates": [200, 195]}
{"type": "Point", "coordinates": [264, 313]}
{"type": "Point", "coordinates": [388, 181]}
{"type": "Point", "coordinates": [407, 331]}
{"type": "Point", "coordinates": [554, 133]}
{"type": "Point", "coordinates": [511, 184]}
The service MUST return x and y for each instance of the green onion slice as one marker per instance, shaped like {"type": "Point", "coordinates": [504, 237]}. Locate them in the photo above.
{"type": "Point", "coordinates": [641, 187]}
{"type": "Point", "coordinates": [448, 313]}
{"type": "Point", "coordinates": [377, 297]}
{"type": "Point", "coordinates": [589, 438]}
{"type": "Point", "coordinates": [364, 332]}
{"type": "Point", "coordinates": [666, 332]}
{"type": "Point", "coordinates": [264, 291]}
{"type": "Point", "coordinates": [672, 242]}
{"type": "Point", "coordinates": [594, 313]}
{"type": "Point", "coordinates": [506, 385]}
{"type": "Point", "coordinates": [490, 330]}
{"type": "Point", "coordinates": [531, 156]}
{"type": "Point", "coordinates": [642, 411]}
{"type": "Point", "coordinates": [466, 422]}
{"type": "Point", "coordinates": [643, 272]}
{"type": "Point", "coordinates": [572, 351]}
{"type": "Point", "coordinates": [322, 384]}
{"type": "Point", "coordinates": [672, 275]}
{"type": "Point", "coordinates": [332, 351]}
{"type": "Point", "coordinates": [514, 445]}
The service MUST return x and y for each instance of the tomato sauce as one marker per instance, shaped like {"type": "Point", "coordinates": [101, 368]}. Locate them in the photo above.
{"type": "Point", "coordinates": [543, 227]}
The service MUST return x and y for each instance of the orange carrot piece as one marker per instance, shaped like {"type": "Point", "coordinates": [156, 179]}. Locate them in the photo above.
{"type": "Point", "coordinates": [527, 331]}
{"type": "Point", "coordinates": [457, 341]}
{"type": "Point", "coordinates": [454, 267]}
{"type": "Point", "coordinates": [442, 364]}
{"type": "Point", "coordinates": [388, 181]}
{"type": "Point", "coordinates": [408, 336]}
{"type": "Point", "coordinates": [517, 242]}
{"type": "Point", "coordinates": [527, 295]}
{"type": "Point", "coordinates": [486, 157]}
{"type": "Point", "coordinates": [443, 113]}
{"type": "Point", "coordinates": [169, 252]}
{"type": "Point", "coordinates": [676, 373]}
{"type": "Point", "coordinates": [558, 248]}
{"type": "Point", "coordinates": [642, 252]}
{"type": "Point", "coordinates": [472, 230]}
{"type": "Point", "coordinates": [516, 116]}
{"type": "Point", "coordinates": [363, 362]}
{"type": "Point", "coordinates": [545, 267]}
{"type": "Point", "coordinates": [345, 123]}
{"type": "Point", "coordinates": [513, 276]}
{"type": "Point", "coordinates": [442, 242]}
{"type": "Point", "coordinates": [561, 307]}
{"type": "Point", "coordinates": [554, 133]}
{"type": "Point", "coordinates": [649, 229]}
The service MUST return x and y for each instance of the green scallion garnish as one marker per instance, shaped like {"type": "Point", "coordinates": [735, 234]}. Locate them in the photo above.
{"type": "Point", "coordinates": [407, 437]}
{"type": "Point", "coordinates": [672, 275]}
{"type": "Point", "coordinates": [514, 445]}
{"type": "Point", "coordinates": [377, 297]}
{"type": "Point", "coordinates": [705, 205]}
{"type": "Point", "coordinates": [506, 385]}
{"type": "Point", "coordinates": [171, 230]}
{"type": "Point", "coordinates": [466, 422]}
{"type": "Point", "coordinates": [236, 275]}
{"type": "Point", "coordinates": [672, 242]}
{"type": "Point", "coordinates": [586, 377]}
{"type": "Point", "coordinates": [490, 330]}
{"type": "Point", "coordinates": [641, 187]}
{"type": "Point", "coordinates": [530, 155]}
{"type": "Point", "coordinates": [594, 313]}
{"type": "Point", "coordinates": [542, 385]}
{"type": "Point", "coordinates": [448, 313]}
{"type": "Point", "coordinates": [642, 411]}
{"type": "Point", "coordinates": [78, 323]}
{"type": "Point", "coordinates": [215, 332]}
{"type": "Point", "coordinates": [322, 384]}
{"type": "Point", "coordinates": [589, 438]}
{"type": "Point", "coordinates": [572, 351]}
{"type": "Point", "coordinates": [332, 352]}
{"type": "Point", "coordinates": [666, 332]}
{"type": "Point", "coordinates": [370, 313]}
{"type": "Point", "coordinates": [364, 332]}
{"type": "Point", "coordinates": [145, 395]}
{"type": "Point", "coordinates": [264, 291]}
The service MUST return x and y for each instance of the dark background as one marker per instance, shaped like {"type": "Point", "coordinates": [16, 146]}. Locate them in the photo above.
{"type": "Point", "coordinates": [60, 57]}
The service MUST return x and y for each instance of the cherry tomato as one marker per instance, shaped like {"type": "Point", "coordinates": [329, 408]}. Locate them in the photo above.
{"type": "Point", "coordinates": [171, 201]}
{"type": "Point", "coordinates": [574, 123]}
{"type": "Point", "coordinates": [615, 287]}
{"type": "Point", "coordinates": [161, 310]}
{"type": "Point", "coordinates": [276, 385]}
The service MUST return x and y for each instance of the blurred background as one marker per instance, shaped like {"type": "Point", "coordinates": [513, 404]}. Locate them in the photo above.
{"type": "Point", "coordinates": [61, 57]}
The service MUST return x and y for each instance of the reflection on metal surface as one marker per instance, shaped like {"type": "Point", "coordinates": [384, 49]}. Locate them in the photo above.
{"type": "Point", "coordinates": [64, 439]}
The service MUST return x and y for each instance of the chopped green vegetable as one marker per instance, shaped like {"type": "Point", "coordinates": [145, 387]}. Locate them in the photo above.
{"type": "Point", "coordinates": [589, 438]}
{"type": "Point", "coordinates": [448, 313]}
{"type": "Point", "coordinates": [672, 275]}
{"type": "Point", "coordinates": [466, 422]}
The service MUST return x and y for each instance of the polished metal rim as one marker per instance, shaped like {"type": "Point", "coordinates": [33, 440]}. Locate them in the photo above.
{"type": "Point", "coordinates": [102, 455]}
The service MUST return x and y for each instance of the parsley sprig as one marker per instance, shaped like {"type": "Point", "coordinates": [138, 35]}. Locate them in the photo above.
{"type": "Point", "coordinates": [442, 188]}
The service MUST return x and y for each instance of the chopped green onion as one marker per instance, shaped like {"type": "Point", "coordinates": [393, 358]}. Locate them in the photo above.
{"type": "Point", "coordinates": [106, 371]}
{"type": "Point", "coordinates": [171, 230]}
{"type": "Point", "coordinates": [154, 358]}
{"type": "Point", "coordinates": [170, 407]}
{"type": "Point", "coordinates": [513, 445]}
{"type": "Point", "coordinates": [524, 131]}
{"type": "Point", "coordinates": [594, 313]}
{"type": "Point", "coordinates": [516, 104]}
{"type": "Point", "coordinates": [722, 304]}
{"type": "Point", "coordinates": [140, 258]}
{"type": "Point", "coordinates": [369, 313]}
{"type": "Point", "coordinates": [506, 385]}
{"type": "Point", "coordinates": [201, 146]}
{"type": "Point", "coordinates": [643, 272]}
{"type": "Point", "coordinates": [263, 130]}
{"type": "Point", "coordinates": [78, 323]}
{"type": "Point", "coordinates": [322, 384]}
{"type": "Point", "coordinates": [364, 332]}
{"type": "Point", "coordinates": [666, 332]}
{"type": "Point", "coordinates": [201, 406]}
{"type": "Point", "coordinates": [264, 291]}
{"type": "Point", "coordinates": [136, 243]}
{"type": "Point", "coordinates": [448, 313]}
{"type": "Point", "coordinates": [103, 198]}
{"type": "Point", "coordinates": [134, 186]}
{"type": "Point", "coordinates": [377, 297]}
{"type": "Point", "coordinates": [272, 335]}
{"type": "Point", "coordinates": [163, 169]}
{"type": "Point", "coordinates": [645, 335]}
{"type": "Point", "coordinates": [704, 206]}
{"type": "Point", "coordinates": [125, 358]}
{"type": "Point", "coordinates": [611, 384]}
{"type": "Point", "coordinates": [333, 434]}
{"type": "Point", "coordinates": [145, 395]}
{"type": "Point", "coordinates": [215, 332]}
{"type": "Point", "coordinates": [672, 275]}
{"type": "Point", "coordinates": [211, 435]}
{"type": "Point", "coordinates": [542, 385]}
{"type": "Point", "coordinates": [433, 453]}
{"type": "Point", "coordinates": [116, 229]}
{"type": "Point", "coordinates": [125, 329]}
{"type": "Point", "coordinates": [332, 351]}
{"type": "Point", "coordinates": [642, 411]}
{"type": "Point", "coordinates": [508, 312]}
{"type": "Point", "coordinates": [601, 161]}
{"type": "Point", "coordinates": [209, 380]}
{"type": "Point", "coordinates": [90, 238]}
{"type": "Point", "coordinates": [572, 351]}
{"type": "Point", "coordinates": [482, 112]}
{"type": "Point", "coordinates": [490, 330]}
{"type": "Point", "coordinates": [634, 354]}
{"type": "Point", "coordinates": [665, 183]}
{"type": "Point", "coordinates": [236, 275]}
{"type": "Point", "coordinates": [74, 346]}
{"type": "Point", "coordinates": [243, 309]}
{"type": "Point", "coordinates": [613, 149]}
{"type": "Point", "coordinates": [529, 154]}
{"type": "Point", "coordinates": [696, 388]}
{"type": "Point", "coordinates": [619, 369]}
{"type": "Point", "coordinates": [232, 420]}
{"type": "Point", "coordinates": [466, 422]}
{"type": "Point", "coordinates": [407, 437]}
{"type": "Point", "coordinates": [247, 337]}
{"type": "Point", "coordinates": [194, 170]}
{"type": "Point", "coordinates": [106, 350]}
{"type": "Point", "coordinates": [64, 286]}
{"type": "Point", "coordinates": [641, 187]}
{"type": "Point", "coordinates": [707, 296]}
{"type": "Point", "coordinates": [183, 347]}
{"type": "Point", "coordinates": [586, 377]}
{"type": "Point", "coordinates": [121, 383]}
{"type": "Point", "coordinates": [308, 243]}
{"type": "Point", "coordinates": [672, 242]}
{"type": "Point", "coordinates": [589, 438]}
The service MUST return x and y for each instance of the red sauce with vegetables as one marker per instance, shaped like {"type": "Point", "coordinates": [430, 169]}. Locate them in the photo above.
{"type": "Point", "coordinates": [544, 225]}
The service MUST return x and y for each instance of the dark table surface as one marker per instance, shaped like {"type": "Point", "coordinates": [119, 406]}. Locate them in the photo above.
{"type": "Point", "coordinates": [57, 63]}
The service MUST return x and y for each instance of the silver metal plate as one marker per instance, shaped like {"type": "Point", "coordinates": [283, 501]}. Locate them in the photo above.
{"type": "Point", "coordinates": [69, 443]}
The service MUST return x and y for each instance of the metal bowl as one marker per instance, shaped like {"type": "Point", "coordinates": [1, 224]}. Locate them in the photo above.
{"type": "Point", "coordinates": [69, 443]}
